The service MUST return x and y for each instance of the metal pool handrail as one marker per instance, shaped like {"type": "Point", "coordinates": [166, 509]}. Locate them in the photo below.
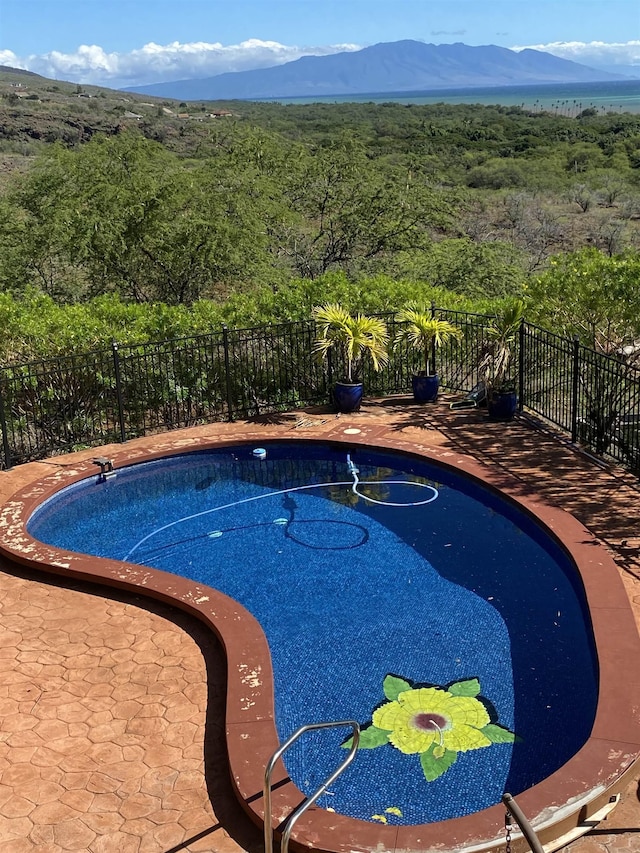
{"type": "Point", "coordinates": [525, 827]}
{"type": "Point", "coordinates": [299, 811]}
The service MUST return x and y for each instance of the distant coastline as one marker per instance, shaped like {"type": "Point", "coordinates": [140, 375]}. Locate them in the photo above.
{"type": "Point", "coordinates": [562, 98]}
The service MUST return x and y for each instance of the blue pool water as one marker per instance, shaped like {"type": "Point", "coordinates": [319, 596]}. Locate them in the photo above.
{"type": "Point", "coordinates": [433, 580]}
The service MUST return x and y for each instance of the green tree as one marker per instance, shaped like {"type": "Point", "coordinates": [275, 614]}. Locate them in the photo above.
{"type": "Point", "coordinates": [497, 174]}
{"type": "Point", "coordinates": [125, 215]}
{"type": "Point", "coordinates": [477, 270]}
{"type": "Point", "coordinates": [350, 212]}
{"type": "Point", "coordinates": [584, 158]}
{"type": "Point", "coordinates": [591, 295]}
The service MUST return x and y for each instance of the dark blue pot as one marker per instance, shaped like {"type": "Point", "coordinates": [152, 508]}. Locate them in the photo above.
{"type": "Point", "coordinates": [347, 396]}
{"type": "Point", "coordinates": [502, 405]}
{"type": "Point", "coordinates": [425, 388]}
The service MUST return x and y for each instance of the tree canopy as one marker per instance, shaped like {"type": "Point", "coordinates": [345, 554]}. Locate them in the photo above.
{"type": "Point", "coordinates": [590, 295]}
{"type": "Point", "coordinates": [277, 208]}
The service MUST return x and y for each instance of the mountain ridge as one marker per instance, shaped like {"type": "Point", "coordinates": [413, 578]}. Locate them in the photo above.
{"type": "Point", "coordinates": [401, 66]}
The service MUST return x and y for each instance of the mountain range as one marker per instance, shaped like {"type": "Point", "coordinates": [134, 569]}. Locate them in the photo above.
{"type": "Point", "coordinates": [401, 66]}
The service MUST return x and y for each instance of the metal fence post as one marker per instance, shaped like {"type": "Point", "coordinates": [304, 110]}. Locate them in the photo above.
{"type": "Point", "coordinates": [118, 377]}
{"type": "Point", "coordinates": [227, 370]}
{"type": "Point", "coordinates": [6, 449]}
{"type": "Point", "coordinates": [574, 389]}
{"type": "Point", "coordinates": [521, 366]}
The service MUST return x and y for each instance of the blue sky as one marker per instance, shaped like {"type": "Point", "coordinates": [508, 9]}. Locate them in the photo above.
{"type": "Point", "coordinates": [125, 42]}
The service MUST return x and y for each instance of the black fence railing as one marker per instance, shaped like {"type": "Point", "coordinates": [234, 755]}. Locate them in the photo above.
{"type": "Point", "coordinates": [52, 406]}
{"type": "Point", "coordinates": [593, 397]}
{"type": "Point", "coordinates": [547, 375]}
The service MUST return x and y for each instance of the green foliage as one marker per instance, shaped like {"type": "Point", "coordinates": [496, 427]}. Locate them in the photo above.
{"type": "Point", "coordinates": [283, 207]}
{"type": "Point", "coordinates": [125, 215]}
{"type": "Point", "coordinates": [596, 298]}
{"type": "Point", "coordinates": [422, 331]}
{"type": "Point", "coordinates": [352, 337]}
{"type": "Point", "coordinates": [37, 327]}
{"type": "Point", "coordinates": [476, 270]}
{"type": "Point", "coordinates": [351, 211]}
{"type": "Point", "coordinates": [501, 336]}
{"type": "Point", "coordinates": [497, 174]}
{"type": "Point", "coordinates": [584, 158]}
{"type": "Point", "coordinates": [591, 295]}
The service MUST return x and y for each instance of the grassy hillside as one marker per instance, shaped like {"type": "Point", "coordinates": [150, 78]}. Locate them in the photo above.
{"type": "Point", "coordinates": [36, 111]}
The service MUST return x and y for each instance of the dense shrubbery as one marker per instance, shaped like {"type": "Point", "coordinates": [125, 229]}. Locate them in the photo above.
{"type": "Point", "coordinates": [37, 327]}
{"type": "Point", "coordinates": [592, 296]}
{"type": "Point", "coordinates": [585, 293]}
{"type": "Point", "coordinates": [258, 218]}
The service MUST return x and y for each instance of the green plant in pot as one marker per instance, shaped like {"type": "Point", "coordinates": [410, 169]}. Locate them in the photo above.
{"type": "Point", "coordinates": [351, 338]}
{"type": "Point", "coordinates": [496, 363]}
{"type": "Point", "coordinates": [420, 329]}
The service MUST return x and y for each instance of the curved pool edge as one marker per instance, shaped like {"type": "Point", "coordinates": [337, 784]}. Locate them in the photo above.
{"type": "Point", "coordinates": [556, 805]}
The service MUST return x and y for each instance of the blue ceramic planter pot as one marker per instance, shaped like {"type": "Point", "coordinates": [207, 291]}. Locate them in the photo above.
{"type": "Point", "coordinates": [347, 396]}
{"type": "Point", "coordinates": [425, 388]}
{"type": "Point", "coordinates": [502, 406]}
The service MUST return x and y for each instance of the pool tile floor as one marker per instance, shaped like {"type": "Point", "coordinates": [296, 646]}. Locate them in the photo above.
{"type": "Point", "coordinates": [112, 707]}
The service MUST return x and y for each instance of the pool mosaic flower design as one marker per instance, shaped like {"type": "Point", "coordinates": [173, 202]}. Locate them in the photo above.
{"type": "Point", "coordinates": [435, 723]}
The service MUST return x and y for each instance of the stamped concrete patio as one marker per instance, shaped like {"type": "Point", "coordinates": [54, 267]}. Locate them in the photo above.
{"type": "Point", "coordinates": [112, 706]}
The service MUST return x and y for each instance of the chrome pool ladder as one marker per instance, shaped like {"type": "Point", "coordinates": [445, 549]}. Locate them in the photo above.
{"type": "Point", "coordinates": [310, 800]}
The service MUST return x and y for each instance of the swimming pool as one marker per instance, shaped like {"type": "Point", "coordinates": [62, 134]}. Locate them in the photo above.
{"type": "Point", "coordinates": [562, 805]}
{"type": "Point", "coordinates": [439, 615]}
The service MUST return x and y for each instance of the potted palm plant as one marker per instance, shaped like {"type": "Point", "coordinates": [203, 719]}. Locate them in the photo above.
{"type": "Point", "coordinates": [351, 337]}
{"type": "Point", "coordinates": [500, 385]}
{"type": "Point", "coordinates": [420, 329]}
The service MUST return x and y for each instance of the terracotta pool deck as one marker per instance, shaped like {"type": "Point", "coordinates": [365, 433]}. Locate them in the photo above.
{"type": "Point", "coordinates": [112, 706]}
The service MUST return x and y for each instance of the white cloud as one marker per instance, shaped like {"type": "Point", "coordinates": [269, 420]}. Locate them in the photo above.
{"type": "Point", "coordinates": [8, 57]}
{"type": "Point", "coordinates": [158, 63]}
{"type": "Point", "coordinates": [595, 53]}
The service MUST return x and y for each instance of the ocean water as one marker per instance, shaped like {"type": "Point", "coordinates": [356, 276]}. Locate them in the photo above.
{"type": "Point", "coordinates": [564, 99]}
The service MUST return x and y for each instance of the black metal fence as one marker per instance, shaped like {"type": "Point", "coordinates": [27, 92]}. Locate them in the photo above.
{"type": "Point", "coordinates": [592, 396]}
{"type": "Point", "coordinates": [56, 405]}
